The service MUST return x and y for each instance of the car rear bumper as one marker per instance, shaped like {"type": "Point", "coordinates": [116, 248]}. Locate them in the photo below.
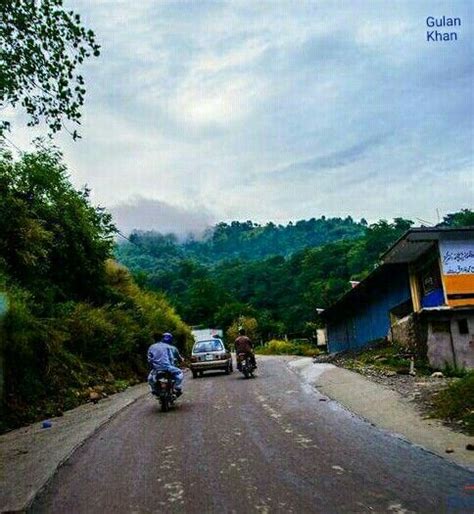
{"type": "Point", "coordinates": [202, 366]}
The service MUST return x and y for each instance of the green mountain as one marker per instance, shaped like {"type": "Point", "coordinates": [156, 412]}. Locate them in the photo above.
{"type": "Point", "coordinates": [237, 240]}
{"type": "Point", "coordinates": [277, 275]}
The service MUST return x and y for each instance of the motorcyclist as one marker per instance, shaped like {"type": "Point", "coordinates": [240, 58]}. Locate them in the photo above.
{"type": "Point", "coordinates": [243, 345]}
{"type": "Point", "coordinates": [163, 356]}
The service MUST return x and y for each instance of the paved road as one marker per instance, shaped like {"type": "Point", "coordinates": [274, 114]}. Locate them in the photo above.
{"type": "Point", "coordinates": [262, 445]}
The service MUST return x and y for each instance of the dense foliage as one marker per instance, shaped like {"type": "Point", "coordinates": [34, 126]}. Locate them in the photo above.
{"type": "Point", "coordinates": [236, 240]}
{"type": "Point", "coordinates": [72, 318]}
{"type": "Point", "coordinates": [276, 275]}
{"type": "Point", "coordinates": [41, 46]}
{"type": "Point", "coordinates": [52, 241]}
{"type": "Point", "coordinates": [281, 291]}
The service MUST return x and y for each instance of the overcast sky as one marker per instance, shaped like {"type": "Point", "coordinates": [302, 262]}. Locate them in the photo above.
{"type": "Point", "coordinates": [198, 112]}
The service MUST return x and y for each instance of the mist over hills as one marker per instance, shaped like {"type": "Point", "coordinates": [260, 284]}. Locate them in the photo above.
{"type": "Point", "coordinates": [235, 240]}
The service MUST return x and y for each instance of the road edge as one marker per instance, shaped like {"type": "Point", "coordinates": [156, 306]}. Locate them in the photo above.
{"type": "Point", "coordinates": [386, 409]}
{"type": "Point", "coordinates": [15, 448]}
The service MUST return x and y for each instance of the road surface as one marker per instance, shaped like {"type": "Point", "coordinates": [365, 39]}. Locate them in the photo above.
{"type": "Point", "coordinates": [267, 444]}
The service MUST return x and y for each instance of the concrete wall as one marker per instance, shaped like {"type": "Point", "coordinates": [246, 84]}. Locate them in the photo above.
{"type": "Point", "coordinates": [452, 348]}
{"type": "Point", "coordinates": [411, 332]}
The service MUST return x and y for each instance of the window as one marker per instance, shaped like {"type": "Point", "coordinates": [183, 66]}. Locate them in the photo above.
{"type": "Point", "coordinates": [208, 346]}
{"type": "Point", "coordinates": [431, 278]}
{"type": "Point", "coordinates": [463, 326]}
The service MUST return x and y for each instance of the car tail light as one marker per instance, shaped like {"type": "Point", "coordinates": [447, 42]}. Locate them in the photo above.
{"type": "Point", "coordinates": [194, 358]}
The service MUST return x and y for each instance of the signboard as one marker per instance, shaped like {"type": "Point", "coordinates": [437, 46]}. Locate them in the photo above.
{"type": "Point", "coordinates": [457, 257]}
{"type": "Point", "coordinates": [457, 261]}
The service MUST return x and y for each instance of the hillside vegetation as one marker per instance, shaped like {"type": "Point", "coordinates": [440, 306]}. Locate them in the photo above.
{"type": "Point", "coordinates": [70, 317]}
{"type": "Point", "coordinates": [236, 240]}
{"type": "Point", "coordinates": [281, 291]}
{"type": "Point", "coordinates": [302, 267]}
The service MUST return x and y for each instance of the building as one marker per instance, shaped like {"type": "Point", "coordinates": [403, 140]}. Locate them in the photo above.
{"type": "Point", "coordinates": [421, 295]}
{"type": "Point", "coordinates": [203, 334]}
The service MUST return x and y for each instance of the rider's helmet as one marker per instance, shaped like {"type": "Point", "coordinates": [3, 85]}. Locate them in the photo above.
{"type": "Point", "coordinates": [167, 338]}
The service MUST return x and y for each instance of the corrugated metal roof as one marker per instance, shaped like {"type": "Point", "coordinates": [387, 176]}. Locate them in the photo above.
{"type": "Point", "coordinates": [416, 241]}
{"type": "Point", "coordinates": [357, 293]}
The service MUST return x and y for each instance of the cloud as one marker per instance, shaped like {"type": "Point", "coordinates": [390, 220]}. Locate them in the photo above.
{"type": "Point", "coordinates": [274, 110]}
{"type": "Point", "coordinates": [149, 214]}
{"type": "Point", "coordinates": [210, 100]}
{"type": "Point", "coordinates": [329, 161]}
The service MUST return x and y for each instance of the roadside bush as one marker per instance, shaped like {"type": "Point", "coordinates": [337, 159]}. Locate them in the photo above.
{"type": "Point", "coordinates": [249, 324]}
{"type": "Point", "coordinates": [280, 347]}
{"type": "Point", "coordinates": [51, 362]}
{"type": "Point", "coordinates": [276, 347]}
{"type": "Point", "coordinates": [70, 318]}
{"type": "Point", "coordinates": [456, 402]}
{"type": "Point", "coordinates": [151, 311]}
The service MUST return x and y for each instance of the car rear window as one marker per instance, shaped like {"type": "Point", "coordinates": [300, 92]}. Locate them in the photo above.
{"type": "Point", "coordinates": [208, 346]}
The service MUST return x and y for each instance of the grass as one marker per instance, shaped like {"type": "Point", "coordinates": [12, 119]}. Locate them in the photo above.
{"type": "Point", "coordinates": [71, 387]}
{"type": "Point", "coordinates": [121, 385]}
{"type": "Point", "coordinates": [453, 371]}
{"type": "Point", "coordinates": [279, 347]}
{"type": "Point", "coordinates": [384, 357]}
{"type": "Point", "coordinates": [456, 402]}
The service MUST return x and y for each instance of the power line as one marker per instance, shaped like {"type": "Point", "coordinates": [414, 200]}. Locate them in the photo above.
{"type": "Point", "coordinates": [125, 237]}
{"type": "Point", "coordinates": [3, 136]}
{"type": "Point", "coordinates": [429, 223]}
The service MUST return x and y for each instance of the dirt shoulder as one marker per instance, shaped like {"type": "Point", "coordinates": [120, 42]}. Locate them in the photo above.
{"type": "Point", "coordinates": [386, 408]}
{"type": "Point", "coordinates": [31, 455]}
{"type": "Point", "coordinates": [419, 390]}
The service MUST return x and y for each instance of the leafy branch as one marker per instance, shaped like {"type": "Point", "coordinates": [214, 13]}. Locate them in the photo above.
{"type": "Point", "coordinates": [41, 47]}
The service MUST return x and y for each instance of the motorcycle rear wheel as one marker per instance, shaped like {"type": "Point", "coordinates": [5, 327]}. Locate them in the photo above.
{"type": "Point", "coordinates": [164, 404]}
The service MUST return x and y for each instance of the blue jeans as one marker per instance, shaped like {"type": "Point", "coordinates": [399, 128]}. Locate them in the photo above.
{"type": "Point", "coordinates": [175, 372]}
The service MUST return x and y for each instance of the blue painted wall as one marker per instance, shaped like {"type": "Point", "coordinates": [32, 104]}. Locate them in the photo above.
{"type": "Point", "coordinates": [366, 317]}
{"type": "Point", "coordinates": [433, 299]}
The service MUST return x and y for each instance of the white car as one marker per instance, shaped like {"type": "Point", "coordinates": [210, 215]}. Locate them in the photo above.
{"type": "Point", "coordinates": [210, 355]}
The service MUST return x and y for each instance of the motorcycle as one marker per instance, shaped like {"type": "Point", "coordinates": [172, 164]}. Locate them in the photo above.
{"type": "Point", "coordinates": [164, 390]}
{"type": "Point", "coordinates": [246, 365]}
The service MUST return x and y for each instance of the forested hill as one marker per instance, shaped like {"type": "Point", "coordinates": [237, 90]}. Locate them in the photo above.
{"type": "Point", "coordinates": [237, 240]}
{"type": "Point", "coordinates": [278, 276]}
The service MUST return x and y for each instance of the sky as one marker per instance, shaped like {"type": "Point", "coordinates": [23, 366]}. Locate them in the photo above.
{"type": "Point", "coordinates": [200, 112]}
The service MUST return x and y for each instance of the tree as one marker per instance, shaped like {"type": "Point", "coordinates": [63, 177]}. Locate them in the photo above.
{"type": "Point", "coordinates": [41, 45]}
{"type": "Point", "coordinates": [250, 325]}
{"type": "Point", "coordinates": [52, 240]}
{"type": "Point", "coordinates": [462, 218]}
